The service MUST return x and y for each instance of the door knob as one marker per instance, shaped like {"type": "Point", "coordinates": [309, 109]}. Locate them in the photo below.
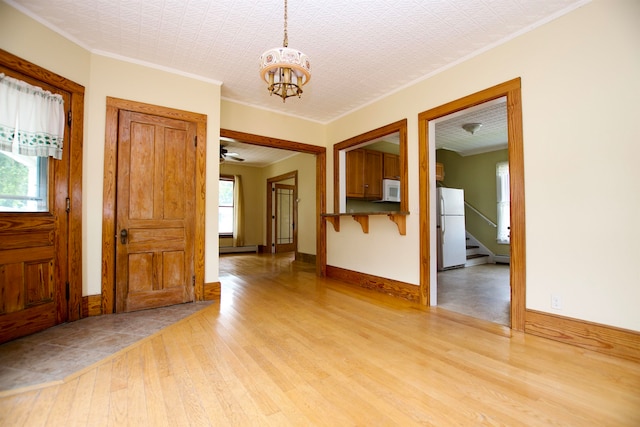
{"type": "Point", "coordinates": [123, 236]}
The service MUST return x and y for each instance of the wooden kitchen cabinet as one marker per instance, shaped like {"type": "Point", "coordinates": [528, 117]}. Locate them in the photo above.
{"type": "Point", "coordinates": [364, 174]}
{"type": "Point", "coordinates": [391, 166]}
{"type": "Point", "coordinates": [439, 172]}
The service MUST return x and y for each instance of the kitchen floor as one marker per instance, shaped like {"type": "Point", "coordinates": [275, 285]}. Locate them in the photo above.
{"type": "Point", "coordinates": [57, 352]}
{"type": "Point", "coordinates": [481, 291]}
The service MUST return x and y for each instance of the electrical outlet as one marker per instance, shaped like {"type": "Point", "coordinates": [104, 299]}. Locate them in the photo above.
{"type": "Point", "coordinates": [556, 302]}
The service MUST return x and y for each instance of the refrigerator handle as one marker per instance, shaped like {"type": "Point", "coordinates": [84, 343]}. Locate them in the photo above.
{"type": "Point", "coordinates": [442, 217]}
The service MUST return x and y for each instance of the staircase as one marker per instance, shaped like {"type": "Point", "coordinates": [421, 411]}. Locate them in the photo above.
{"type": "Point", "coordinates": [475, 254]}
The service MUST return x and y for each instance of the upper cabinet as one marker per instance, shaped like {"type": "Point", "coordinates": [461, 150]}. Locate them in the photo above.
{"type": "Point", "coordinates": [439, 172]}
{"type": "Point", "coordinates": [364, 174]}
{"type": "Point", "coordinates": [391, 166]}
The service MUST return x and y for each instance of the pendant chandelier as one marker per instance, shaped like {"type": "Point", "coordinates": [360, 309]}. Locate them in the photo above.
{"type": "Point", "coordinates": [284, 69]}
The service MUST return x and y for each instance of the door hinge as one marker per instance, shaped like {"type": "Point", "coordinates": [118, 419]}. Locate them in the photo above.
{"type": "Point", "coordinates": [193, 281]}
{"type": "Point", "coordinates": [69, 118]}
{"type": "Point", "coordinates": [195, 140]}
{"type": "Point", "coordinates": [67, 290]}
{"type": "Point", "coordinates": [68, 209]}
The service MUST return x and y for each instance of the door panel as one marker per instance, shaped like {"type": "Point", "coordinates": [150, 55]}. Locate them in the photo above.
{"type": "Point", "coordinates": [285, 218]}
{"type": "Point", "coordinates": [155, 215]}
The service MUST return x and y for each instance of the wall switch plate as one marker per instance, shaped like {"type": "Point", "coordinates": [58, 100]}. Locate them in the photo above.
{"type": "Point", "coordinates": [556, 302]}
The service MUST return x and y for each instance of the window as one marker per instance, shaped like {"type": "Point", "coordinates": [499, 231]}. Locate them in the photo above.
{"type": "Point", "coordinates": [23, 183]}
{"type": "Point", "coordinates": [504, 202]}
{"type": "Point", "coordinates": [225, 206]}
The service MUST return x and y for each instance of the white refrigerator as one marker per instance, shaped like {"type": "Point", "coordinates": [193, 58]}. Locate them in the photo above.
{"type": "Point", "coordinates": [452, 242]}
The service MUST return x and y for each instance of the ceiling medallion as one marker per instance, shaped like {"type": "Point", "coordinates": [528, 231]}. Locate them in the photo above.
{"type": "Point", "coordinates": [284, 69]}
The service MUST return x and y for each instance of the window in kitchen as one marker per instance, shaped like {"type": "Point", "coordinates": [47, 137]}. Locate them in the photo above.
{"type": "Point", "coordinates": [504, 202]}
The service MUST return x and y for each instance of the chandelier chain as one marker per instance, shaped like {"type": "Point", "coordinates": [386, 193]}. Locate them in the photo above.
{"type": "Point", "coordinates": [285, 42]}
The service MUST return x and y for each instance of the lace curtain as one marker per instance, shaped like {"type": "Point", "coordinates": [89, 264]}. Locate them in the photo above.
{"type": "Point", "coordinates": [31, 119]}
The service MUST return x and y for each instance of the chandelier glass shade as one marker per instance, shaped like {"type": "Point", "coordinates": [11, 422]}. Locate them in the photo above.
{"type": "Point", "coordinates": [285, 70]}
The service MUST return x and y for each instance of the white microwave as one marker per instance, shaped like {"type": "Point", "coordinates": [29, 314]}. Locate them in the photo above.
{"type": "Point", "coordinates": [390, 190]}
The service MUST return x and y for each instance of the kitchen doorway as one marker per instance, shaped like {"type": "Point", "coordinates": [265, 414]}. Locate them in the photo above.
{"type": "Point", "coordinates": [471, 151]}
{"type": "Point", "coordinates": [427, 182]}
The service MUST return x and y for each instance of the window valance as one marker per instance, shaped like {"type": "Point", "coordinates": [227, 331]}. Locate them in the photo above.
{"type": "Point", "coordinates": [31, 119]}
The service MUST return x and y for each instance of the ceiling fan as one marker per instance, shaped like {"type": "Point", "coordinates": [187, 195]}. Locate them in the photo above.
{"type": "Point", "coordinates": [225, 155]}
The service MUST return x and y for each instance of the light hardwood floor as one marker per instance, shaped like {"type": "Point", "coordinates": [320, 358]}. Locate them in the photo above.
{"type": "Point", "coordinates": [284, 347]}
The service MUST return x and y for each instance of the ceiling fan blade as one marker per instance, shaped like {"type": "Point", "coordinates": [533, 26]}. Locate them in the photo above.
{"type": "Point", "coordinates": [238, 159]}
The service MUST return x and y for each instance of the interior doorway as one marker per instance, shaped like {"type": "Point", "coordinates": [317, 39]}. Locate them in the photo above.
{"type": "Point", "coordinates": [428, 270]}
{"type": "Point", "coordinates": [282, 213]}
{"type": "Point", "coordinates": [320, 196]}
{"type": "Point", "coordinates": [471, 151]}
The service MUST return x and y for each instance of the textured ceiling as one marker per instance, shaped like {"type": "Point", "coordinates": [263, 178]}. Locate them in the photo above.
{"type": "Point", "coordinates": [360, 50]}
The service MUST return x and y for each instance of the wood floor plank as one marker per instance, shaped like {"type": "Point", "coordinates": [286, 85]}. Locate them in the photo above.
{"type": "Point", "coordinates": [42, 407]}
{"type": "Point", "coordinates": [79, 411]}
{"type": "Point", "coordinates": [154, 396]}
{"type": "Point", "coordinates": [285, 347]}
{"type": "Point", "coordinates": [18, 413]}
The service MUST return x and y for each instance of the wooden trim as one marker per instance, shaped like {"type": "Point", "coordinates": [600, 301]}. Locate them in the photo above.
{"type": "Point", "coordinates": [74, 184]}
{"type": "Point", "coordinates": [321, 181]}
{"type": "Point", "coordinates": [91, 305]}
{"type": "Point", "coordinates": [303, 257]}
{"type": "Point", "coordinates": [400, 127]}
{"type": "Point", "coordinates": [618, 342]}
{"type": "Point", "coordinates": [321, 206]}
{"type": "Point", "coordinates": [376, 283]}
{"type": "Point", "coordinates": [510, 90]}
{"type": "Point", "coordinates": [212, 291]}
{"type": "Point", "coordinates": [114, 105]}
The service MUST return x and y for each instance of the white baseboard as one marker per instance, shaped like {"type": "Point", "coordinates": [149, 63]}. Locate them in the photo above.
{"type": "Point", "coordinates": [502, 259]}
{"type": "Point", "coordinates": [237, 249]}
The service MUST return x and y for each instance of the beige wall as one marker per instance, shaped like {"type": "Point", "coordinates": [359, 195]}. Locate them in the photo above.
{"type": "Point", "coordinates": [579, 93]}
{"type": "Point", "coordinates": [104, 77]}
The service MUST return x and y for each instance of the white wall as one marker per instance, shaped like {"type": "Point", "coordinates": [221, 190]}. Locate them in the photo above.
{"type": "Point", "coordinates": [580, 89]}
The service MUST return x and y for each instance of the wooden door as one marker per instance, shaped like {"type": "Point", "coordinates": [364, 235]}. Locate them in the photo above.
{"type": "Point", "coordinates": [155, 218]}
{"type": "Point", "coordinates": [33, 251]}
{"type": "Point", "coordinates": [285, 217]}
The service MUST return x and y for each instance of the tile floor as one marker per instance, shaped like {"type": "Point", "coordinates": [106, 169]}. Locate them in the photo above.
{"type": "Point", "coordinates": [481, 291]}
{"type": "Point", "coordinates": [57, 352]}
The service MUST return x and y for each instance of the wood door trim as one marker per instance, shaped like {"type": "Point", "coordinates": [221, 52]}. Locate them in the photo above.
{"type": "Point", "coordinates": [74, 216]}
{"type": "Point", "coordinates": [511, 90]}
{"type": "Point", "coordinates": [114, 105]}
{"type": "Point", "coordinates": [321, 182]}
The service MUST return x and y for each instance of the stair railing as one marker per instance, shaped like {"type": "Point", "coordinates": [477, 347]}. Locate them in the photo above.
{"type": "Point", "coordinates": [493, 224]}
